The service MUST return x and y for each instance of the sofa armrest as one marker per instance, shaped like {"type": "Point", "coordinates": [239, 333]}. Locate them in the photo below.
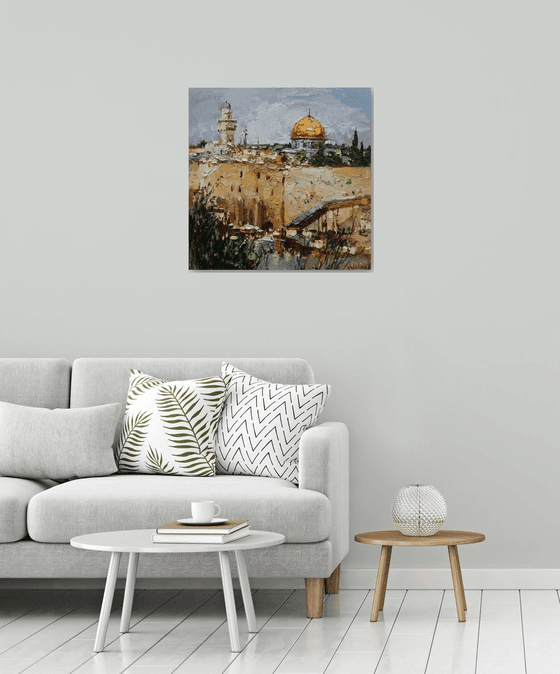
{"type": "Point", "coordinates": [324, 467]}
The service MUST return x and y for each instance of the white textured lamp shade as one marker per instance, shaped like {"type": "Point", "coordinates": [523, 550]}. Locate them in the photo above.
{"type": "Point", "coordinates": [419, 510]}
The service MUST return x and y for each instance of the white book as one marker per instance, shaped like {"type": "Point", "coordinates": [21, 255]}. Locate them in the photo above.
{"type": "Point", "coordinates": [201, 538]}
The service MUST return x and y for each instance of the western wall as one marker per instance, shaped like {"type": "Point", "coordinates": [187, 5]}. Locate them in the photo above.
{"type": "Point", "coordinates": [270, 195]}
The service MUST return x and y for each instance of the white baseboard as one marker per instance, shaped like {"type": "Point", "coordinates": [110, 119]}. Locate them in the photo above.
{"type": "Point", "coordinates": [350, 579]}
{"type": "Point", "coordinates": [440, 579]}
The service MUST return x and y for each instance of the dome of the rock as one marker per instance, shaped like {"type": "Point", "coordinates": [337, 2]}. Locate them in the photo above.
{"type": "Point", "coordinates": [308, 128]}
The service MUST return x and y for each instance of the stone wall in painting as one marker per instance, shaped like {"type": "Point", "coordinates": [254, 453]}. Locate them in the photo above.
{"type": "Point", "coordinates": [271, 194]}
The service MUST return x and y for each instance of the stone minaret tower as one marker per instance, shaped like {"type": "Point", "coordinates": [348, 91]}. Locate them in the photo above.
{"type": "Point", "coordinates": [226, 126]}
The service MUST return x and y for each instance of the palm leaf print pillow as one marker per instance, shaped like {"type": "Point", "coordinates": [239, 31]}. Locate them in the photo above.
{"type": "Point", "coordinates": [169, 427]}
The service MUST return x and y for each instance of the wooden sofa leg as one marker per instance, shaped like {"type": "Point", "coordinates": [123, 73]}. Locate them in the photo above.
{"type": "Point", "coordinates": [314, 596]}
{"type": "Point", "coordinates": [332, 582]}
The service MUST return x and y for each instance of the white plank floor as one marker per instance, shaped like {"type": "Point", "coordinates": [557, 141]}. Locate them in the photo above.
{"type": "Point", "coordinates": [184, 632]}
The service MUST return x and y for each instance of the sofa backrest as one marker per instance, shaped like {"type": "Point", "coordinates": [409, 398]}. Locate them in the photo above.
{"type": "Point", "coordinates": [97, 381]}
{"type": "Point", "coordinates": [35, 382]}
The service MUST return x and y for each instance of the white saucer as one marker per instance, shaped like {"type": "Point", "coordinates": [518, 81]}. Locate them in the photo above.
{"type": "Point", "coordinates": [194, 523]}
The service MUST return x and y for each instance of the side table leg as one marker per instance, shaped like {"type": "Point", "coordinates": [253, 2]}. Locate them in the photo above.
{"type": "Point", "coordinates": [107, 602]}
{"type": "Point", "coordinates": [129, 592]}
{"type": "Point", "coordinates": [457, 582]}
{"type": "Point", "coordinates": [381, 582]}
{"type": "Point", "coordinates": [461, 582]}
{"type": "Point", "coordinates": [246, 591]}
{"type": "Point", "coordinates": [231, 613]}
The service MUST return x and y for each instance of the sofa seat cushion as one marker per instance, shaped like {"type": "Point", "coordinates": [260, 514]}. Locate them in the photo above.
{"type": "Point", "coordinates": [15, 494]}
{"type": "Point", "coordinates": [119, 502]}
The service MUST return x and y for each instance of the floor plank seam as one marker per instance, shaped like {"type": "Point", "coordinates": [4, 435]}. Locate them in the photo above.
{"type": "Point", "coordinates": [478, 631]}
{"type": "Point", "coordinates": [114, 610]}
{"type": "Point", "coordinates": [167, 633]}
{"type": "Point", "coordinates": [68, 640]}
{"type": "Point", "coordinates": [45, 626]}
{"type": "Point", "coordinates": [390, 632]}
{"type": "Point", "coordinates": [434, 634]}
{"type": "Point", "coordinates": [110, 642]}
{"type": "Point", "coordinates": [35, 662]}
{"type": "Point", "coordinates": [19, 616]}
{"type": "Point", "coordinates": [237, 607]}
{"type": "Point", "coordinates": [523, 633]}
{"type": "Point", "coordinates": [291, 647]}
{"type": "Point", "coordinates": [295, 642]}
{"type": "Point", "coordinates": [345, 633]}
{"type": "Point", "coordinates": [158, 607]}
{"type": "Point", "coordinates": [275, 612]}
{"type": "Point", "coordinates": [262, 628]}
{"type": "Point", "coordinates": [140, 592]}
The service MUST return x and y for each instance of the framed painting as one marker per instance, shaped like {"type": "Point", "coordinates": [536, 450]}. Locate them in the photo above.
{"type": "Point", "coordinates": [280, 179]}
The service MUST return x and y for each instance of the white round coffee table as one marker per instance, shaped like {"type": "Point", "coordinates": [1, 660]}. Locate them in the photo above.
{"type": "Point", "coordinates": [140, 541]}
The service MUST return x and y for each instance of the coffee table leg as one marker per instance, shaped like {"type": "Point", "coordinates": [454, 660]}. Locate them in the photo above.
{"type": "Point", "coordinates": [107, 602]}
{"type": "Point", "coordinates": [129, 592]}
{"type": "Point", "coordinates": [231, 613]}
{"type": "Point", "coordinates": [246, 591]}
{"type": "Point", "coordinates": [457, 582]}
{"type": "Point", "coordinates": [381, 582]}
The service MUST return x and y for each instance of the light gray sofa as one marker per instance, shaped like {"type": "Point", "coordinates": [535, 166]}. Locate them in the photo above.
{"type": "Point", "coordinates": [39, 517]}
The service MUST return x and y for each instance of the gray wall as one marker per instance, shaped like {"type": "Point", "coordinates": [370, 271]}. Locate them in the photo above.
{"type": "Point", "coordinates": [444, 361]}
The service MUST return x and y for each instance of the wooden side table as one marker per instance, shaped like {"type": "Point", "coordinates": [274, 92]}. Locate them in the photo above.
{"type": "Point", "coordinates": [387, 539]}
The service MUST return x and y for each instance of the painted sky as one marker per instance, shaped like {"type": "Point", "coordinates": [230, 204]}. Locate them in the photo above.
{"type": "Point", "coordinates": [269, 114]}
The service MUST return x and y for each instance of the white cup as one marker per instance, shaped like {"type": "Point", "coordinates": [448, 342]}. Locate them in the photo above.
{"type": "Point", "coordinates": [204, 511]}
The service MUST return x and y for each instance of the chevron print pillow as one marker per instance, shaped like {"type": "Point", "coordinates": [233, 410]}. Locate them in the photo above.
{"type": "Point", "coordinates": [169, 427]}
{"type": "Point", "coordinates": [262, 423]}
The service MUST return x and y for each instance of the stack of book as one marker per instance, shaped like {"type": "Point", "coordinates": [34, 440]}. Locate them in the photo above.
{"type": "Point", "coordinates": [175, 532]}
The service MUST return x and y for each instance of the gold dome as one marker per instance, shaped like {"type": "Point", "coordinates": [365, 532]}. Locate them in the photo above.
{"type": "Point", "coordinates": [308, 128]}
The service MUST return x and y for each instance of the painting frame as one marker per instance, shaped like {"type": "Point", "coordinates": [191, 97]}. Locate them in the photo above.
{"type": "Point", "coordinates": [280, 179]}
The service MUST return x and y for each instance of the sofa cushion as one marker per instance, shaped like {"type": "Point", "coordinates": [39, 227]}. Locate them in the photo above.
{"type": "Point", "coordinates": [262, 423]}
{"type": "Point", "coordinates": [97, 381]}
{"type": "Point", "coordinates": [36, 382]}
{"type": "Point", "coordinates": [119, 502]}
{"type": "Point", "coordinates": [39, 443]}
{"type": "Point", "coordinates": [169, 427]}
{"type": "Point", "coordinates": [15, 494]}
